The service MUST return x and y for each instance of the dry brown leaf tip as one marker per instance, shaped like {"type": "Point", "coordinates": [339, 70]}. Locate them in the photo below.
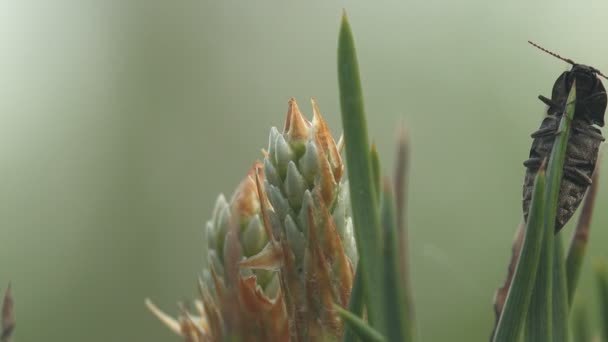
{"type": "Point", "coordinates": [245, 197]}
{"type": "Point", "coordinates": [296, 125]}
{"type": "Point", "coordinates": [8, 315]}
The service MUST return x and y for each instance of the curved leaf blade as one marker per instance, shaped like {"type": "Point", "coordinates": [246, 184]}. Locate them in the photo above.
{"type": "Point", "coordinates": [359, 327]}
{"type": "Point", "coordinates": [366, 217]}
{"type": "Point", "coordinates": [520, 293]}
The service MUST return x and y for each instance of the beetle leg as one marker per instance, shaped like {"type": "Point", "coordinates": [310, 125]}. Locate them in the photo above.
{"type": "Point", "coordinates": [547, 101]}
{"type": "Point", "coordinates": [544, 132]}
{"type": "Point", "coordinates": [590, 133]}
{"type": "Point", "coordinates": [533, 163]}
{"type": "Point", "coordinates": [577, 162]}
{"type": "Point", "coordinates": [577, 176]}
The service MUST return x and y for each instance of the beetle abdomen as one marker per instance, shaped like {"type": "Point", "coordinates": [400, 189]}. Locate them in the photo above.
{"type": "Point", "coordinates": [581, 157]}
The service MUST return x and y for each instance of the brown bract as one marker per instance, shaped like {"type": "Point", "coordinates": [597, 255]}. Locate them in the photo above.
{"type": "Point", "coordinates": [245, 199]}
{"type": "Point", "coordinates": [296, 126]}
{"type": "Point", "coordinates": [271, 256]}
{"type": "Point", "coordinates": [326, 141]}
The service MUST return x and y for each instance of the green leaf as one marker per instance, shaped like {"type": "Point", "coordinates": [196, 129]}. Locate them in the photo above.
{"type": "Point", "coordinates": [541, 325]}
{"type": "Point", "coordinates": [560, 293]}
{"type": "Point", "coordinates": [355, 304]}
{"type": "Point", "coordinates": [394, 296]}
{"type": "Point", "coordinates": [359, 327]}
{"type": "Point", "coordinates": [601, 272]}
{"type": "Point", "coordinates": [578, 243]}
{"type": "Point", "coordinates": [366, 218]}
{"type": "Point", "coordinates": [500, 295]}
{"type": "Point", "coordinates": [520, 292]}
{"type": "Point", "coordinates": [539, 320]}
{"type": "Point", "coordinates": [580, 322]}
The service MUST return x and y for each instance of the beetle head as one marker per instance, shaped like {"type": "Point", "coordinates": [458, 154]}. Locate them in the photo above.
{"type": "Point", "coordinates": [591, 98]}
{"type": "Point", "coordinates": [593, 94]}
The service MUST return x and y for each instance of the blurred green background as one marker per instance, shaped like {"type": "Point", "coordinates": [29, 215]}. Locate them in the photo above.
{"type": "Point", "coordinates": [120, 122]}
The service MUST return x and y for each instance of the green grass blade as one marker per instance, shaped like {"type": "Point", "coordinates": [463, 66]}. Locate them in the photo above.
{"type": "Point", "coordinates": [580, 325]}
{"type": "Point", "coordinates": [540, 323]}
{"type": "Point", "coordinates": [355, 304]}
{"type": "Point", "coordinates": [601, 271]}
{"type": "Point", "coordinates": [500, 295]}
{"type": "Point", "coordinates": [363, 331]}
{"type": "Point", "coordinates": [539, 320]}
{"type": "Point", "coordinates": [520, 292]}
{"type": "Point", "coordinates": [560, 293]}
{"type": "Point", "coordinates": [554, 178]}
{"type": "Point", "coordinates": [578, 243]}
{"type": "Point", "coordinates": [364, 206]}
{"type": "Point", "coordinates": [394, 296]}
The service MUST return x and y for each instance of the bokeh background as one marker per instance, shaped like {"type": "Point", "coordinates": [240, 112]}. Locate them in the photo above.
{"type": "Point", "coordinates": [120, 122]}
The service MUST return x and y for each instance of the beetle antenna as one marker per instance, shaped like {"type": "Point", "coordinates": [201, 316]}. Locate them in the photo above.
{"type": "Point", "coordinates": [567, 60]}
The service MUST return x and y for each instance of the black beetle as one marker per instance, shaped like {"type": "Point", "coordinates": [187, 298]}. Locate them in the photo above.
{"type": "Point", "coordinates": [583, 143]}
